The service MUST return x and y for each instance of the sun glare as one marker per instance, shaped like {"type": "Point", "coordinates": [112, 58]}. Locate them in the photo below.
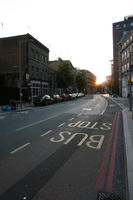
{"type": "Point", "coordinates": [100, 80]}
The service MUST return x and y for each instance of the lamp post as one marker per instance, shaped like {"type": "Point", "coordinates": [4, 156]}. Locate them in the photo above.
{"type": "Point", "coordinates": [20, 70]}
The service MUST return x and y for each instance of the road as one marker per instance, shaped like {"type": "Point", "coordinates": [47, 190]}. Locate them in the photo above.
{"type": "Point", "coordinates": [70, 150]}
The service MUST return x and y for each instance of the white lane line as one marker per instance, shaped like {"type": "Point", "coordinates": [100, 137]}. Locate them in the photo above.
{"type": "Point", "coordinates": [61, 124]}
{"type": "Point", "coordinates": [46, 133]}
{"type": "Point", "coordinates": [87, 109]}
{"type": "Point", "coordinates": [104, 108]}
{"type": "Point", "coordinates": [79, 114]}
{"type": "Point", "coordinates": [19, 148]}
{"type": "Point", "coordinates": [71, 119]}
{"type": "Point", "coordinates": [35, 123]}
{"type": "Point", "coordinates": [2, 117]}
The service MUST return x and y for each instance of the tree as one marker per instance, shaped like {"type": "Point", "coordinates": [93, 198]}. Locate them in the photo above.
{"type": "Point", "coordinates": [65, 76]}
{"type": "Point", "coordinates": [81, 81]}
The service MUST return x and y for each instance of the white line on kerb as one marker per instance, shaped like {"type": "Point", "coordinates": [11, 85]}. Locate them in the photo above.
{"type": "Point", "coordinates": [46, 133]}
{"type": "Point", "coordinates": [61, 124]}
{"type": "Point", "coordinates": [35, 123]}
{"type": "Point", "coordinates": [19, 148]}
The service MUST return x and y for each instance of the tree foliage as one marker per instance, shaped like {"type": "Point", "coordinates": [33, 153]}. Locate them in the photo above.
{"type": "Point", "coordinates": [81, 81]}
{"type": "Point", "coordinates": [65, 76]}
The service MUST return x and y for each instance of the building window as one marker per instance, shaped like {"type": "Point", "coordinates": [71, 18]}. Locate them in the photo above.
{"type": "Point", "coordinates": [125, 55]}
{"type": "Point", "coordinates": [37, 55]}
{"type": "Point", "coordinates": [128, 53]}
{"type": "Point", "coordinates": [46, 60]}
{"type": "Point", "coordinates": [32, 68]}
{"type": "Point", "coordinates": [32, 53]}
{"type": "Point", "coordinates": [127, 66]}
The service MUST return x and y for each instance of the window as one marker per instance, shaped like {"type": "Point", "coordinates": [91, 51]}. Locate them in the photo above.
{"type": "Point", "coordinates": [128, 53]}
{"type": "Point", "coordinates": [32, 53]}
{"type": "Point", "coordinates": [127, 66]}
{"type": "Point", "coordinates": [37, 55]}
{"type": "Point", "coordinates": [46, 59]}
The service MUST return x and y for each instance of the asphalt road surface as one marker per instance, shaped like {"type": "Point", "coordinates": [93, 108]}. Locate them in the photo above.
{"type": "Point", "coordinates": [67, 151]}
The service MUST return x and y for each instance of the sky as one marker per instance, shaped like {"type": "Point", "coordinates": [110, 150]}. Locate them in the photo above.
{"type": "Point", "coordinates": [75, 30]}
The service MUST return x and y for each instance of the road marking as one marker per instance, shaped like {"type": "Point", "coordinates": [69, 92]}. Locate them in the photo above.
{"type": "Point", "coordinates": [79, 114]}
{"type": "Point", "coordinates": [102, 171]}
{"type": "Point", "coordinates": [19, 148]}
{"type": "Point", "coordinates": [119, 104]}
{"type": "Point", "coordinates": [35, 123]}
{"type": "Point", "coordinates": [61, 124]}
{"type": "Point", "coordinates": [104, 108]}
{"type": "Point", "coordinates": [24, 112]}
{"type": "Point", "coordinates": [71, 119]}
{"type": "Point", "coordinates": [109, 185]}
{"type": "Point", "coordinates": [2, 117]}
{"type": "Point", "coordinates": [87, 109]}
{"type": "Point", "coordinates": [46, 133]}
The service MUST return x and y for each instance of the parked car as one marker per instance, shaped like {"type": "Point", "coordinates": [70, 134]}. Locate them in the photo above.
{"type": "Point", "coordinates": [37, 101]}
{"type": "Point", "coordinates": [57, 98]}
{"type": "Point", "coordinates": [65, 97]}
{"type": "Point", "coordinates": [73, 95]}
{"type": "Point", "coordinates": [81, 94]}
{"type": "Point", "coordinates": [43, 100]}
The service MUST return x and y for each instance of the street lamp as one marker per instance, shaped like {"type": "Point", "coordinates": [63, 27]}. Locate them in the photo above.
{"type": "Point", "coordinates": [20, 70]}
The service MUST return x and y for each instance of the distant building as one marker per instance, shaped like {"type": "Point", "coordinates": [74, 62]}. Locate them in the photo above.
{"type": "Point", "coordinates": [108, 78]}
{"type": "Point", "coordinates": [24, 64]}
{"type": "Point", "coordinates": [91, 81]}
{"type": "Point", "coordinates": [118, 29]}
{"type": "Point", "coordinates": [55, 64]}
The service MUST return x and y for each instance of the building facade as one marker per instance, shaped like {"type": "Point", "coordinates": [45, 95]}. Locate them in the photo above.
{"type": "Point", "coordinates": [125, 58]}
{"type": "Point", "coordinates": [24, 68]}
{"type": "Point", "coordinates": [118, 29]}
{"type": "Point", "coordinates": [55, 64]}
{"type": "Point", "coordinates": [91, 81]}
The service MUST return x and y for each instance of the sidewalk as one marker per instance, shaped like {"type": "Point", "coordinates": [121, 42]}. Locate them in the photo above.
{"type": "Point", "coordinates": [128, 134]}
{"type": "Point", "coordinates": [25, 106]}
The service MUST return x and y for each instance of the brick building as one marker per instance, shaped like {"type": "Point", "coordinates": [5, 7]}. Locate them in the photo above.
{"type": "Point", "coordinates": [24, 68]}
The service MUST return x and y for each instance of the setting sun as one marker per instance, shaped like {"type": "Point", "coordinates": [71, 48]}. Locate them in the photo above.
{"type": "Point", "coordinates": [100, 80]}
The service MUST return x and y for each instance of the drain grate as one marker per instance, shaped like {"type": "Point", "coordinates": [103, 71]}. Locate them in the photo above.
{"type": "Point", "coordinates": [108, 196]}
